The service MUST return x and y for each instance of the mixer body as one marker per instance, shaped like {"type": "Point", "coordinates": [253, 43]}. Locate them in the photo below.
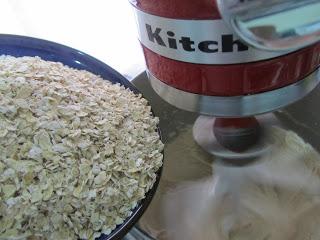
{"type": "Point", "coordinates": [197, 61]}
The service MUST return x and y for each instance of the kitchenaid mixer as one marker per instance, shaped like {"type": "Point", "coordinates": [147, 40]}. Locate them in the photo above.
{"type": "Point", "coordinates": [239, 64]}
{"type": "Point", "coordinates": [231, 59]}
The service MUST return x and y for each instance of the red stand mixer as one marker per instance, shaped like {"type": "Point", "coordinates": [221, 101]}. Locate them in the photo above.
{"type": "Point", "coordinates": [231, 59]}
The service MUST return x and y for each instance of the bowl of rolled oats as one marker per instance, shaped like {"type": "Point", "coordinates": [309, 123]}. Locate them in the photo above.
{"type": "Point", "coordinates": [80, 150]}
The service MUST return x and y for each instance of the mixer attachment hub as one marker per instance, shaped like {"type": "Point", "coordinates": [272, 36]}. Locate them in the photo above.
{"type": "Point", "coordinates": [234, 138]}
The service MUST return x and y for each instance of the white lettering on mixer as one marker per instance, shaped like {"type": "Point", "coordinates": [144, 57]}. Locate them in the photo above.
{"type": "Point", "coordinates": [196, 41]}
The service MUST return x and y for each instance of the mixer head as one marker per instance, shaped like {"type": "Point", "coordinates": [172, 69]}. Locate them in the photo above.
{"type": "Point", "coordinates": [234, 62]}
{"type": "Point", "coordinates": [231, 59]}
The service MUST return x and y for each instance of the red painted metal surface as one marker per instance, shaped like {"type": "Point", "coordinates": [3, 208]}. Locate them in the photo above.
{"type": "Point", "coordinates": [237, 79]}
{"type": "Point", "coordinates": [237, 134]}
{"type": "Point", "coordinates": [182, 9]}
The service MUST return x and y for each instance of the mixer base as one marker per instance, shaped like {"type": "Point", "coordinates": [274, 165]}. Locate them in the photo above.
{"type": "Point", "coordinates": [203, 133]}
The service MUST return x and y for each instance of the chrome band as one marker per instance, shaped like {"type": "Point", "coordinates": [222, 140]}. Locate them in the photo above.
{"type": "Point", "coordinates": [236, 106]}
{"type": "Point", "coordinates": [196, 41]}
{"type": "Point", "coordinates": [260, 23]}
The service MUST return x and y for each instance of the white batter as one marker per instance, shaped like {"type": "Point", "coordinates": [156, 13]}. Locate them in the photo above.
{"type": "Point", "coordinates": [277, 198]}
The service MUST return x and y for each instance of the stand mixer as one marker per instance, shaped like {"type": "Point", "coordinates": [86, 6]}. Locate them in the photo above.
{"type": "Point", "coordinates": [234, 63]}
{"type": "Point", "coordinates": [231, 61]}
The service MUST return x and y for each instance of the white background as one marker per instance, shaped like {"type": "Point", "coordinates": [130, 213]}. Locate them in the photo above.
{"type": "Point", "coordinates": [105, 29]}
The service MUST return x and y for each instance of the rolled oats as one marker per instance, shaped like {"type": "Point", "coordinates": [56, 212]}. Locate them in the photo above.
{"type": "Point", "coordinates": [77, 153]}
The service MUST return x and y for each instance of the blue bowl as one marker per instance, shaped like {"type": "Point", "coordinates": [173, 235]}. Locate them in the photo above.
{"type": "Point", "coordinates": [19, 46]}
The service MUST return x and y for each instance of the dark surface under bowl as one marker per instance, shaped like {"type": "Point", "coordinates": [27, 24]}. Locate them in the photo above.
{"type": "Point", "coordinates": [19, 46]}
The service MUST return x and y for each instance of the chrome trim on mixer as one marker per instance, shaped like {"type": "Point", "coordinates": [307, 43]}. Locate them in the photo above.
{"type": "Point", "coordinates": [236, 106]}
{"type": "Point", "coordinates": [274, 25]}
